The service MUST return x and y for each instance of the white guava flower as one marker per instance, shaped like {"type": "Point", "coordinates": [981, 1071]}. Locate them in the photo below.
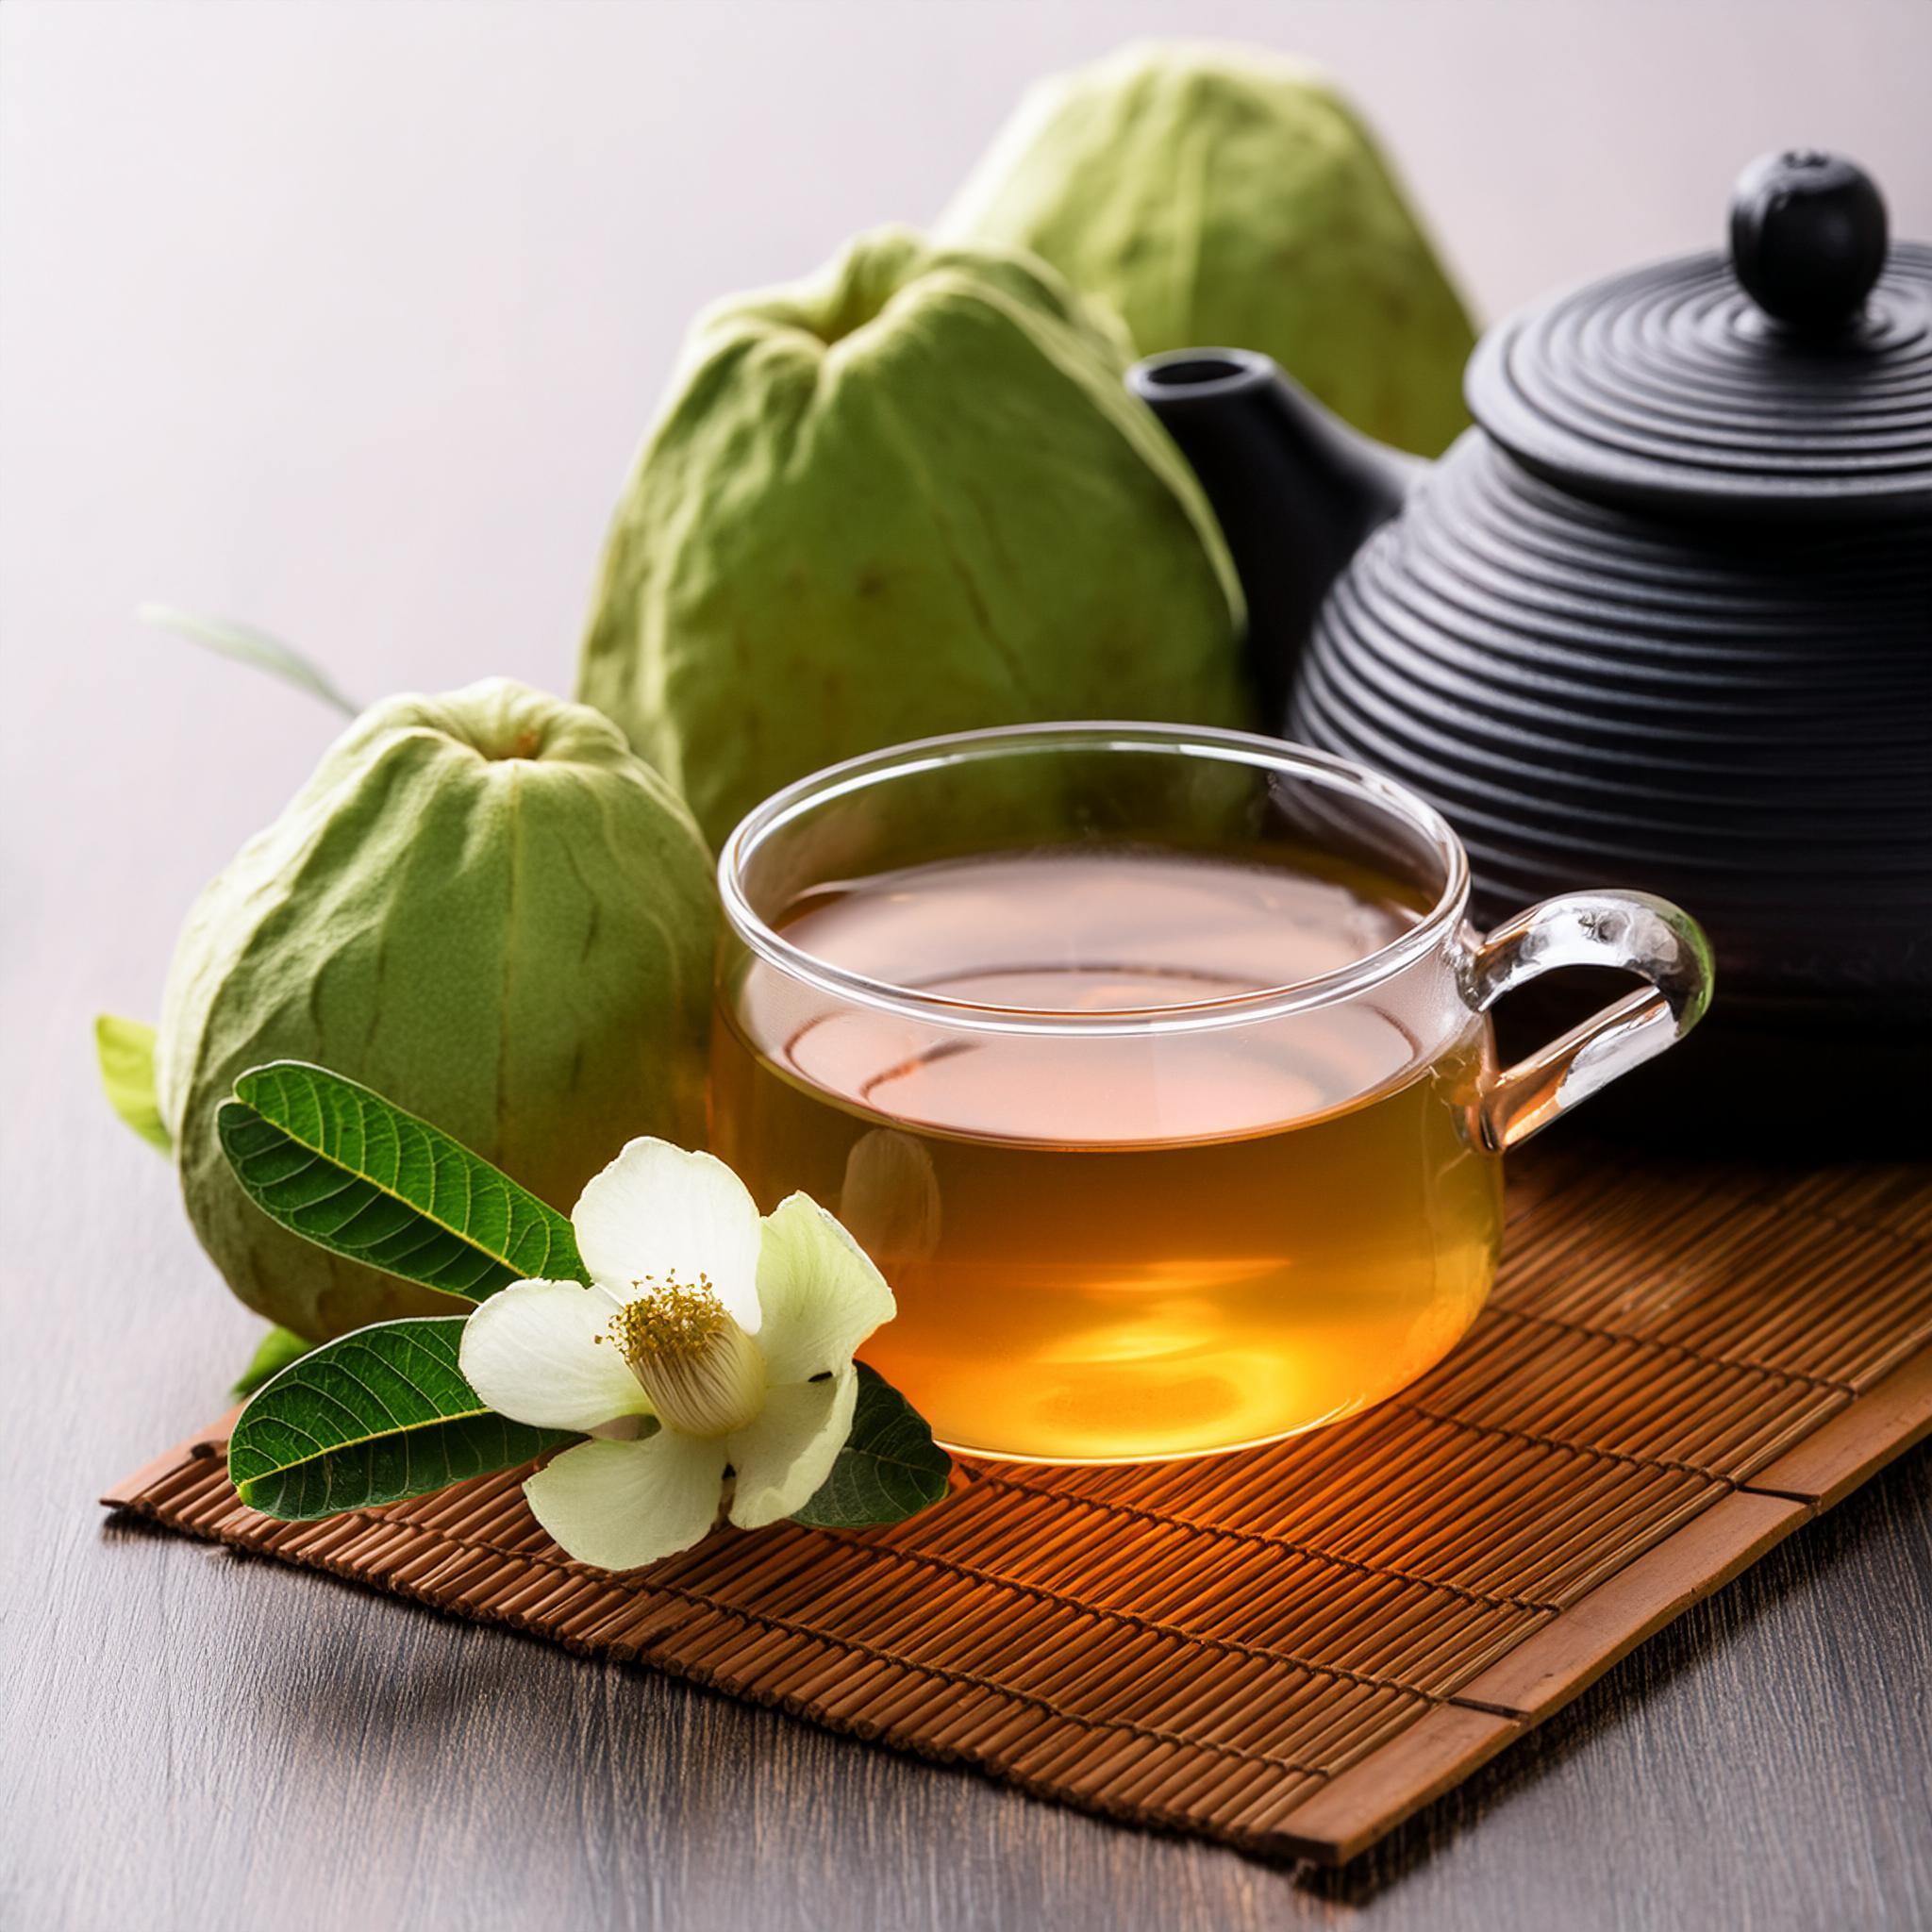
{"type": "Point", "coordinates": [735, 1333]}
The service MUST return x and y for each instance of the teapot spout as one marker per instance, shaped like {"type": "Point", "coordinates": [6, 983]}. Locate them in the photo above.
{"type": "Point", "coordinates": [1294, 487]}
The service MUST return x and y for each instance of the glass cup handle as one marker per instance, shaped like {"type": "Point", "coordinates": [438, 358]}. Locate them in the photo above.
{"type": "Point", "coordinates": [1634, 931]}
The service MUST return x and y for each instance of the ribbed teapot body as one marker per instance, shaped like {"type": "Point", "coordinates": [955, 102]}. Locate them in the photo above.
{"type": "Point", "coordinates": [1736, 713]}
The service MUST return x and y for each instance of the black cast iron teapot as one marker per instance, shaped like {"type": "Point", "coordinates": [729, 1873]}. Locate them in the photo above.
{"type": "Point", "coordinates": [1664, 619]}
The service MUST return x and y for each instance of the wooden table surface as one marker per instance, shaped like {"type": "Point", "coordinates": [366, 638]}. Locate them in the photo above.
{"type": "Point", "coordinates": [342, 318]}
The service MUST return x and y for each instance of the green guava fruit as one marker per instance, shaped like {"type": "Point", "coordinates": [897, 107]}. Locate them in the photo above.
{"type": "Point", "coordinates": [908, 496]}
{"type": "Point", "coordinates": [1217, 197]}
{"type": "Point", "coordinates": [482, 906]}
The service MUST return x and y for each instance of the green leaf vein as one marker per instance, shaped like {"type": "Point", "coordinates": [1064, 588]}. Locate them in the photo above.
{"type": "Point", "coordinates": [379, 1416]}
{"type": "Point", "coordinates": [342, 1167]}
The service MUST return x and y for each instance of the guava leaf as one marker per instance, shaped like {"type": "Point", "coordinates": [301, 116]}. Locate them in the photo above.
{"type": "Point", "coordinates": [373, 1418]}
{"type": "Point", "coordinates": [248, 645]}
{"type": "Point", "coordinates": [890, 1468]}
{"type": "Point", "coordinates": [339, 1166]}
{"type": "Point", "coordinates": [125, 1050]}
{"type": "Point", "coordinates": [273, 1354]}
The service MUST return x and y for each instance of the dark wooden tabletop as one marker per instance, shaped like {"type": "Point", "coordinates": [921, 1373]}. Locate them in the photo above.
{"type": "Point", "coordinates": [343, 319]}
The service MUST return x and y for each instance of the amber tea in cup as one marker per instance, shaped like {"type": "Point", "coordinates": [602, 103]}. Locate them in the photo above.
{"type": "Point", "coordinates": [1151, 1068]}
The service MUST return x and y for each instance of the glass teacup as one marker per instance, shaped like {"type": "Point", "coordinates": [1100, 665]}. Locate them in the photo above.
{"type": "Point", "coordinates": [1152, 1067]}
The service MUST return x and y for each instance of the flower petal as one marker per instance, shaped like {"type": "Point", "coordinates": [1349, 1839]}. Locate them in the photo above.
{"type": "Point", "coordinates": [538, 1351]}
{"type": "Point", "coordinates": [821, 1295]}
{"type": "Point", "coordinates": [621, 1504]}
{"type": "Point", "coordinates": [656, 1212]}
{"type": "Point", "coordinates": [784, 1456]}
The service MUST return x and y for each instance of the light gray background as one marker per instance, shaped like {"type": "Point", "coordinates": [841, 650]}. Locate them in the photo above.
{"type": "Point", "coordinates": [345, 318]}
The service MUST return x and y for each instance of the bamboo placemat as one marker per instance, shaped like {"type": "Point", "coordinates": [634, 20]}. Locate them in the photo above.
{"type": "Point", "coordinates": [1293, 1648]}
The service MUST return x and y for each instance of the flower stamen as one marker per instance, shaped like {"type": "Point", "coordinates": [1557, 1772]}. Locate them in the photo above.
{"type": "Point", "coordinates": [667, 1318]}
{"type": "Point", "coordinates": [703, 1373]}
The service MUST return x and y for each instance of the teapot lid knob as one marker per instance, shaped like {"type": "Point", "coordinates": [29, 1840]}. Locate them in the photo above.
{"type": "Point", "coordinates": [1808, 236]}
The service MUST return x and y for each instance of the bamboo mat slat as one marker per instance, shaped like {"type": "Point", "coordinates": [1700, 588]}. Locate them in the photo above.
{"type": "Point", "coordinates": [1293, 1648]}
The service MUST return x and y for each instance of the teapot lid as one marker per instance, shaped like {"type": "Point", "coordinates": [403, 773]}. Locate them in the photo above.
{"type": "Point", "coordinates": [1790, 378]}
